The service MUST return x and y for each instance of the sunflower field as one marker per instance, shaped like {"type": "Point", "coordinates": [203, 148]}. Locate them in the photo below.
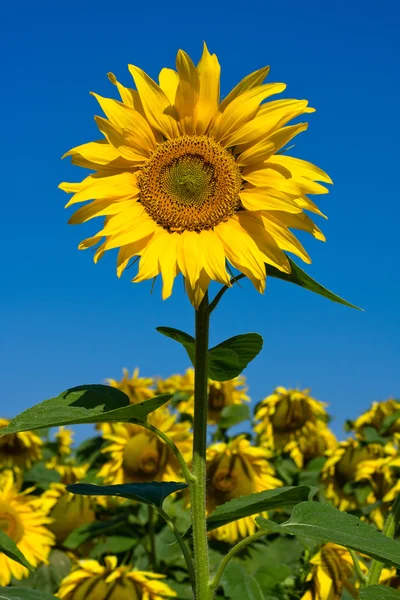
{"type": "Point", "coordinates": [263, 460]}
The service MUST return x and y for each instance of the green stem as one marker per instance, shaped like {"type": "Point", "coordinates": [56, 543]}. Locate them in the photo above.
{"type": "Point", "coordinates": [182, 545]}
{"type": "Point", "coordinates": [222, 291]}
{"type": "Point", "coordinates": [361, 576]}
{"type": "Point", "coordinates": [232, 552]}
{"type": "Point", "coordinates": [198, 486]}
{"type": "Point", "coordinates": [185, 469]}
{"type": "Point", "coordinates": [391, 524]}
{"type": "Point", "coordinates": [152, 538]}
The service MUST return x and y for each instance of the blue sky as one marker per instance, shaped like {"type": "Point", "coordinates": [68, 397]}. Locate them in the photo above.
{"type": "Point", "coordinates": [65, 321]}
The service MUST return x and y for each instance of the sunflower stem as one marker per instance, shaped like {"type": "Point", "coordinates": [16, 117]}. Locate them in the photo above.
{"type": "Point", "coordinates": [198, 486]}
{"type": "Point", "coordinates": [391, 524]}
{"type": "Point", "coordinates": [152, 538]}
{"type": "Point", "coordinates": [182, 545]}
{"type": "Point", "coordinates": [189, 477]}
{"type": "Point", "coordinates": [357, 567]}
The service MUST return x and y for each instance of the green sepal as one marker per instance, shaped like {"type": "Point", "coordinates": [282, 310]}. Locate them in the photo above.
{"type": "Point", "coordinates": [10, 549]}
{"type": "Point", "coordinates": [153, 493]}
{"type": "Point", "coordinates": [84, 404]}
{"type": "Point", "coordinates": [300, 277]}
{"type": "Point", "coordinates": [325, 523]}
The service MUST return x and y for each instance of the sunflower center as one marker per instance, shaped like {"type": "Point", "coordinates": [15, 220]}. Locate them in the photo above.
{"type": "Point", "coordinates": [143, 457]}
{"type": "Point", "coordinates": [190, 183]}
{"type": "Point", "coordinates": [10, 522]}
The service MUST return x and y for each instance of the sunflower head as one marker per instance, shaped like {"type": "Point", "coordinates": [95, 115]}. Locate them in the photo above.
{"type": "Point", "coordinates": [189, 183]}
{"type": "Point", "coordinates": [19, 449]}
{"type": "Point", "coordinates": [136, 388]}
{"type": "Point", "coordinates": [92, 581]}
{"type": "Point", "coordinates": [237, 469]}
{"type": "Point", "coordinates": [377, 416]}
{"type": "Point", "coordinates": [26, 523]}
{"type": "Point", "coordinates": [64, 440]}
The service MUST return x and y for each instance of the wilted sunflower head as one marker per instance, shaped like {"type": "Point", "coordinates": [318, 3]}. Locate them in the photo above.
{"type": "Point", "coordinates": [381, 414]}
{"type": "Point", "coordinates": [237, 469]}
{"type": "Point", "coordinates": [135, 454]}
{"type": "Point", "coordinates": [187, 182]}
{"type": "Point", "coordinates": [331, 572]}
{"type": "Point", "coordinates": [19, 449]}
{"type": "Point", "coordinates": [26, 523]}
{"type": "Point", "coordinates": [92, 581]}
{"type": "Point", "coordinates": [136, 388]}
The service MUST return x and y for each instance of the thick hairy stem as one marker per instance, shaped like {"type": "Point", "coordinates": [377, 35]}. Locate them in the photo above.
{"type": "Point", "coordinates": [391, 524]}
{"type": "Point", "coordinates": [198, 486]}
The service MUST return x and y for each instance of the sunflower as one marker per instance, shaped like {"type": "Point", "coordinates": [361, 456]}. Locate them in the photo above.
{"type": "Point", "coordinates": [186, 181]}
{"type": "Point", "coordinates": [26, 524]}
{"type": "Point", "coordinates": [220, 394]}
{"type": "Point", "coordinates": [237, 469]}
{"type": "Point", "coordinates": [342, 468]}
{"type": "Point", "coordinates": [67, 511]}
{"type": "Point", "coordinates": [293, 422]}
{"type": "Point", "coordinates": [19, 449]}
{"type": "Point", "coordinates": [377, 415]}
{"type": "Point", "coordinates": [64, 440]}
{"type": "Point", "coordinates": [136, 454]}
{"type": "Point", "coordinates": [136, 388]}
{"type": "Point", "coordinates": [332, 569]}
{"type": "Point", "coordinates": [92, 581]}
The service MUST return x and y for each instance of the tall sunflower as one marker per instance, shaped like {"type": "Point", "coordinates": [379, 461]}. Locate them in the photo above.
{"type": "Point", "coordinates": [377, 415]}
{"type": "Point", "coordinates": [26, 524]}
{"type": "Point", "coordinates": [186, 181]}
{"type": "Point", "coordinates": [331, 572]}
{"type": "Point", "coordinates": [136, 388]}
{"type": "Point", "coordinates": [19, 449]}
{"type": "Point", "coordinates": [293, 422]}
{"type": "Point", "coordinates": [136, 454]}
{"type": "Point", "coordinates": [93, 581]}
{"type": "Point", "coordinates": [237, 469]}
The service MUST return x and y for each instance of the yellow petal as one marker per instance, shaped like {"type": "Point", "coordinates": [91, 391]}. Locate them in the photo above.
{"type": "Point", "coordinates": [250, 81]}
{"type": "Point", "coordinates": [143, 228]}
{"type": "Point", "coordinates": [125, 117]}
{"type": "Point", "coordinates": [187, 92]}
{"type": "Point", "coordinates": [306, 204]}
{"type": "Point", "coordinates": [169, 80]}
{"type": "Point", "coordinates": [213, 257]}
{"type": "Point", "coordinates": [188, 256]}
{"type": "Point", "coordinates": [281, 137]}
{"type": "Point", "coordinates": [197, 294]}
{"type": "Point", "coordinates": [149, 265]}
{"type": "Point", "coordinates": [257, 153]}
{"type": "Point", "coordinates": [100, 152]}
{"type": "Point", "coordinates": [99, 208]}
{"type": "Point", "coordinates": [240, 249]}
{"type": "Point", "coordinates": [122, 185]}
{"type": "Point", "coordinates": [283, 237]}
{"type": "Point", "coordinates": [253, 225]}
{"type": "Point", "coordinates": [155, 103]}
{"type": "Point", "coordinates": [127, 252]}
{"type": "Point", "coordinates": [123, 141]}
{"type": "Point", "coordinates": [300, 221]}
{"type": "Point", "coordinates": [258, 198]}
{"type": "Point", "coordinates": [127, 94]}
{"type": "Point", "coordinates": [209, 72]}
{"type": "Point", "coordinates": [242, 109]}
{"type": "Point", "coordinates": [124, 220]}
{"type": "Point", "coordinates": [168, 261]}
{"type": "Point", "coordinates": [301, 168]}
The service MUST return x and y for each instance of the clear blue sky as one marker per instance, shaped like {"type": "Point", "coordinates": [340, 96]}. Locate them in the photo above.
{"type": "Point", "coordinates": [65, 321]}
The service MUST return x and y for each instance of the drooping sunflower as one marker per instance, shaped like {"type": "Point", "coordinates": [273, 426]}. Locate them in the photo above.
{"type": "Point", "coordinates": [136, 454]}
{"type": "Point", "coordinates": [92, 581]}
{"type": "Point", "coordinates": [237, 469]}
{"type": "Point", "coordinates": [332, 570]}
{"type": "Point", "coordinates": [19, 449]}
{"type": "Point", "coordinates": [341, 470]}
{"type": "Point", "coordinates": [378, 414]}
{"type": "Point", "coordinates": [220, 394]}
{"type": "Point", "coordinates": [186, 181]}
{"type": "Point", "coordinates": [136, 388]}
{"type": "Point", "coordinates": [293, 422]}
{"type": "Point", "coordinates": [67, 511]}
{"type": "Point", "coordinates": [26, 524]}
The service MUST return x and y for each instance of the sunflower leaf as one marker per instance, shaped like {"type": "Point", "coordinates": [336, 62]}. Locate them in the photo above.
{"type": "Point", "coordinates": [84, 404]}
{"type": "Point", "coordinates": [233, 414]}
{"type": "Point", "coordinates": [379, 592]}
{"type": "Point", "coordinates": [14, 593]}
{"type": "Point", "coordinates": [246, 506]}
{"type": "Point", "coordinates": [326, 523]}
{"type": "Point", "coordinates": [10, 549]}
{"type": "Point", "coordinates": [300, 277]}
{"type": "Point", "coordinates": [187, 341]}
{"type": "Point", "coordinates": [228, 359]}
{"type": "Point", "coordinates": [153, 493]}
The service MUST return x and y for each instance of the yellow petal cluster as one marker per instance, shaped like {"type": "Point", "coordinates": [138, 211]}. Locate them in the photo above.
{"type": "Point", "coordinates": [191, 184]}
{"type": "Point", "coordinates": [19, 449]}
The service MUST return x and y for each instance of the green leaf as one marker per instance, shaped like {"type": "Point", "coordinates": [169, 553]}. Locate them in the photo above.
{"type": "Point", "coordinates": [371, 436]}
{"type": "Point", "coordinates": [86, 532]}
{"type": "Point", "coordinates": [390, 420]}
{"type": "Point", "coordinates": [379, 592]}
{"type": "Point", "coordinates": [228, 359]}
{"type": "Point", "coordinates": [254, 504]}
{"type": "Point", "coordinates": [47, 577]}
{"type": "Point", "coordinates": [326, 523]}
{"type": "Point", "coordinates": [9, 548]}
{"type": "Point", "coordinates": [113, 544]}
{"type": "Point", "coordinates": [300, 277]}
{"type": "Point", "coordinates": [14, 593]}
{"type": "Point", "coordinates": [238, 584]}
{"type": "Point", "coordinates": [42, 476]}
{"type": "Point", "coordinates": [84, 404]}
{"type": "Point", "coordinates": [233, 415]}
{"type": "Point", "coordinates": [152, 493]}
